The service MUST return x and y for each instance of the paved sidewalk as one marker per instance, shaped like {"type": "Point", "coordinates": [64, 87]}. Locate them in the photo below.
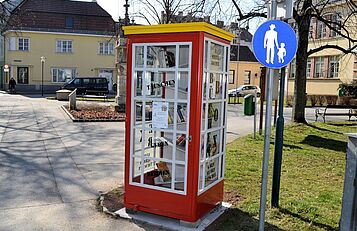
{"type": "Point", "coordinates": [51, 170]}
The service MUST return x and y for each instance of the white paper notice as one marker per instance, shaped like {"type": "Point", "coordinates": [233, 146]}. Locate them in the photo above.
{"type": "Point", "coordinates": [160, 115]}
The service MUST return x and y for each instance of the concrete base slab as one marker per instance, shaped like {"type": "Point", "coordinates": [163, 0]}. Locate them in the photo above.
{"type": "Point", "coordinates": [174, 224]}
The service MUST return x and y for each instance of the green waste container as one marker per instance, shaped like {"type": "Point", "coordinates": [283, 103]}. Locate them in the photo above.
{"type": "Point", "coordinates": [249, 105]}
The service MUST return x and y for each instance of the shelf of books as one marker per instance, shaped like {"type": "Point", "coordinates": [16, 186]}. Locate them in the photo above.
{"type": "Point", "coordinates": [213, 125]}
{"type": "Point", "coordinates": [161, 111]}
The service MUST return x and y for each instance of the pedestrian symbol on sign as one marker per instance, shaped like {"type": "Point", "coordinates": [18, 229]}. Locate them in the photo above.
{"type": "Point", "coordinates": [274, 44]}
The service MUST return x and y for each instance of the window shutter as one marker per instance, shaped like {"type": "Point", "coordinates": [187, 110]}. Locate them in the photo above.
{"type": "Point", "coordinates": [12, 44]}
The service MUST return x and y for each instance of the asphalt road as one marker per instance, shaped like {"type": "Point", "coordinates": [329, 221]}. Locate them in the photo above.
{"type": "Point", "coordinates": [52, 170]}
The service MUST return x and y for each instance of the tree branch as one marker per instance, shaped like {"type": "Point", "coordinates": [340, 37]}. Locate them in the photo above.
{"type": "Point", "coordinates": [330, 46]}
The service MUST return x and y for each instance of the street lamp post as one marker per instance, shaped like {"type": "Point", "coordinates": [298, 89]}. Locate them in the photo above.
{"type": "Point", "coordinates": [43, 60]}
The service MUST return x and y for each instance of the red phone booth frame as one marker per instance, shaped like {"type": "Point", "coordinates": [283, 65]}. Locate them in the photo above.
{"type": "Point", "coordinates": [199, 193]}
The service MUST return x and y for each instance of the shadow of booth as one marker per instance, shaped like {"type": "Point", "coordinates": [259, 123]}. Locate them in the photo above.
{"type": "Point", "coordinates": [236, 219]}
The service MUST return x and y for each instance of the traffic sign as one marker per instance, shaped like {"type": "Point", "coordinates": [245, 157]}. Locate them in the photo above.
{"type": "Point", "coordinates": [274, 44]}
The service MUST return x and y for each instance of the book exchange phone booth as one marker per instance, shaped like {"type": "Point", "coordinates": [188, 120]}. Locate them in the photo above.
{"type": "Point", "coordinates": [176, 119]}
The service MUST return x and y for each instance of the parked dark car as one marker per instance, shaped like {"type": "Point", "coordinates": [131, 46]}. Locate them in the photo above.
{"type": "Point", "coordinates": [88, 85]}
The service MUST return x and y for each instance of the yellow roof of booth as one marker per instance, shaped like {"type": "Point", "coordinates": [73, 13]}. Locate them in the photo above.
{"type": "Point", "coordinates": [179, 28]}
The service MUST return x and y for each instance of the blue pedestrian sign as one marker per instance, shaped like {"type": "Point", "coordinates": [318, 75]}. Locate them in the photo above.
{"type": "Point", "coordinates": [274, 44]}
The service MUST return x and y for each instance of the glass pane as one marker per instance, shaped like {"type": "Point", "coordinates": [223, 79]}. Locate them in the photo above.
{"type": "Point", "coordinates": [179, 177]}
{"type": "Point", "coordinates": [206, 54]}
{"type": "Point", "coordinates": [204, 88]}
{"type": "Point", "coordinates": [224, 114]}
{"type": "Point", "coordinates": [217, 57]}
{"type": "Point", "coordinates": [138, 139]}
{"type": "Point", "coordinates": [223, 140]}
{"type": "Point", "coordinates": [181, 144]}
{"type": "Point", "coordinates": [158, 120]}
{"type": "Point", "coordinates": [225, 84]}
{"type": "Point", "coordinates": [203, 120]}
{"type": "Point", "coordinates": [136, 171]}
{"type": "Point", "coordinates": [158, 173]}
{"type": "Point", "coordinates": [222, 166]}
{"type": "Point", "coordinates": [160, 85]}
{"type": "Point", "coordinates": [214, 115]}
{"type": "Point", "coordinates": [227, 60]}
{"type": "Point", "coordinates": [200, 181]}
{"type": "Point", "coordinates": [138, 112]}
{"type": "Point", "coordinates": [211, 172]}
{"type": "Point", "coordinates": [212, 145]}
{"type": "Point", "coordinates": [158, 144]}
{"type": "Point", "coordinates": [138, 81]}
{"type": "Point", "coordinates": [183, 85]}
{"type": "Point", "coordinates": [181, 116]}
{"type": "Point", "coordinates": [184, 56]}
{"type": "Point", "coordinates": [139, 56]}
{"type": "Point", "coordinates": [161, 56]}
{"type": "Point", "coordinates": [215, 86]}
{"type": "Point", "coordinates": [202, 156]}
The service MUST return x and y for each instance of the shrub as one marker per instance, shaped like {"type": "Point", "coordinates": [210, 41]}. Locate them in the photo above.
{"type": "Point", "coordinates": [331, 99]}
{"type": "Point", "coordinates": [313, 99]}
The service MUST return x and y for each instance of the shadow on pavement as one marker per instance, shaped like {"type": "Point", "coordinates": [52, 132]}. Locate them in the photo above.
{"type": "Point", "coordinates": [236, 219]}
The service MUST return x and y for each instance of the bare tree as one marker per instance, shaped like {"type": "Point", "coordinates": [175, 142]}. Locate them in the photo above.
{"type": "Point", "coordinates": [6, 14]}
{"type": "Point", "coordinates": [177, 11]}
{"type": "Point", "coordinates": [342, 25]}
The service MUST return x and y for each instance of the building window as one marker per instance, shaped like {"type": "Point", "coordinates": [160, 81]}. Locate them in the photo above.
{"type": "Point", "coordinates": [69, 22]}
{"type": "Point", "coordinates": [334, 67]}
{"type": "Point", "coordinates": [231, 76]}
{"type": "Point", "coordinates": [23, 44]}
{"type": "Point", "coordinates": [292, 68]}
{"type": "Point", "coordinates": [308, 68]}
{"type": "Point", "coordinates": [336, 25]}
{"type": "Point", "coordinates": [61, 75]}
{"type": "Point", "coordinates": [64, 46]}
{"type": "Point", "coordinates": [106, 48]}
{"type": "Point", "coordinates": [319, 67]}
{"type": "Point", "coordinates": [320, 30]}
{"type": "Point", "coordinates": [247, 77]}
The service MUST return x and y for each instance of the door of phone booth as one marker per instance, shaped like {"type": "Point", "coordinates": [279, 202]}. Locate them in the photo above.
{"type": "Point", "coordinates": [176, 119]}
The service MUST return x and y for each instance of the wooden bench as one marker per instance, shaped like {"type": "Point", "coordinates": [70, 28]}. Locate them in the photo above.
{"type": "Point", "coordinates": [104, 97]}
{"type": "Point", "coordinates": [337, 110]}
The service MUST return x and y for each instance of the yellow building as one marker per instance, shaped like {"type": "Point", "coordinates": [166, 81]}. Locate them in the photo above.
{"type": "Point", "coordinates": [327, 69]}
{"type": "Point", "coordinates": [246, 71]}
{"type": "Point", "coordinates": [76, 40]}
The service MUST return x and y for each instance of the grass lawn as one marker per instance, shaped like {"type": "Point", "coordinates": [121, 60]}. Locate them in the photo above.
{"type": "Point", "coordinates": [311, 181]}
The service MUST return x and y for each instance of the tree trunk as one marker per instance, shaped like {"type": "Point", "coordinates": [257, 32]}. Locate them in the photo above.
{"type": "Point", "coordinates": [301, 62]}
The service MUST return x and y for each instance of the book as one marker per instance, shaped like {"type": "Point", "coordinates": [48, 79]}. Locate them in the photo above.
{"type": "Point", "coordinates": [164, 171]}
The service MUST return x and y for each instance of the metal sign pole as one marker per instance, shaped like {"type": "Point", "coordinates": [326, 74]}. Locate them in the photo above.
{"type": "Point", "coordinates": [265, 168]}
{"type": "Point", "coordinates": [278, 150]}
{"type": "Point", "coordinates": [255, 114]}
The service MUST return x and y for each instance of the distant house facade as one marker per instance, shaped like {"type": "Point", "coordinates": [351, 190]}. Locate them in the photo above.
{"type": "Point", "coordinates": [6, 7]}
{"type": "Point", "coordinates": [76, 38]}
{"type": "Point", "coordinates": [244, 69]}
{"type": "Point", "coordinates": [327, 69]}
